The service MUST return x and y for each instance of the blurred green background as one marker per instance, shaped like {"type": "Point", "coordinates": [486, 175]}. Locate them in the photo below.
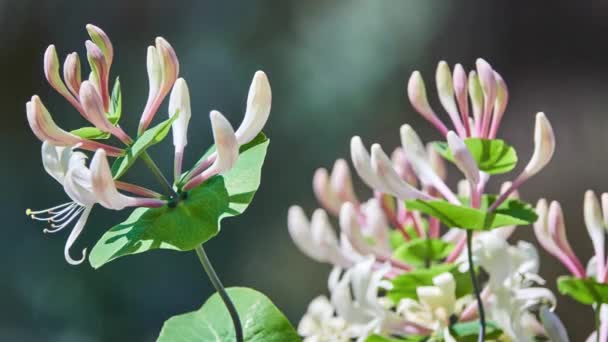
{"type": "Point", "coordinates": [337, 68]}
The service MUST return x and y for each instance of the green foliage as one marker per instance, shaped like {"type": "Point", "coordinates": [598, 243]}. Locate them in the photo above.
{"type": "Point", "coordinates": [114, 114]}
{"type": "Point", "coordinates": [260, 319]}
{"type": "Point", "coordinates": [421, 252]}
{"type": "Point", "coordinates": [194, 220]}
{"type": "Point", "coordinates": [493, 156]}
{"type": "Point", "coordinates": [378, 338]}
{"type": "Point", "coordinates": [469, 331]}
{"type": "Point", "coordinates": [586, 291]}
{"type": "Point", "coordinates": [149, 138]}
{"type": "Point", "coordinates": [510, 213]}
{"type": "Point", "coordinates": [404, 286]}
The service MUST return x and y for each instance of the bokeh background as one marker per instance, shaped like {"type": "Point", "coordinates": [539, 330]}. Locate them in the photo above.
{"type": "Point", "coordinates": [337, 68]}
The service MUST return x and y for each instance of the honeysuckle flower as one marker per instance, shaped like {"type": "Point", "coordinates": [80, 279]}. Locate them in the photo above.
{"type": "Point", "coordinates": [85, 186]}
{"type": "Point", "coordinates": [554, 328]}
{"type": "Point", "coordinates": [335, 189]}
{"type": "Point", "coordinates": [72, 73]}
{"type": "Point", "coordinates": [179, 104]}
{"type": "Point", "coordinates": [416, 92]}
{"type": "Point", "coordinates": [101, 70]}
{"type": "Point", "coordinates": [163, 69]}
{"type": "Point", "coordinates": [319, 323]}
{"type": "Point", "coordinates": [355, 298]}
{"type": "Point", "coordinates": [513, 271]}
{"type": "Point", "coordinates": [94, 108]}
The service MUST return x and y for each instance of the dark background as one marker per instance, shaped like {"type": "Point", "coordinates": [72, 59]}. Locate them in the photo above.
{"type": "Point", "coordinates": [337, 68]}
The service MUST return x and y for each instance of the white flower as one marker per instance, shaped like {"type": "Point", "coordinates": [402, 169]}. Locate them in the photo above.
{"type": "Point", "coordinates": [319, 324]}
{"type": "Point", "coordinates": [259, 100]}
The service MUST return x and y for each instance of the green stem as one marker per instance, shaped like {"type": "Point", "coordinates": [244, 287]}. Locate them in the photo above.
{"type": "Point", "coordinates": [158, 173]}
{"type": "Point", "coordinates": [482, 316]}
{"type": "Point", "coordinates": [597, 322]}
{"type": "Point", "coordinates": [238, 330]}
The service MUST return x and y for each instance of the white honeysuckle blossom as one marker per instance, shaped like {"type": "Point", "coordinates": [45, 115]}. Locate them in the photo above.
{"type": "Point", "coordinates": [319, 323]}
{"type": "Point", "coordinates": [179, 104]}
{"type": "Point", "coordinates": [513, 271]}
{"type": "Point", "coordinates": [69, 168]}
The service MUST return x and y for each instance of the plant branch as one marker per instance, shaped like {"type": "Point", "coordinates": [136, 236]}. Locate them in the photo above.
{"type": "Point", "coordinates": [158, 173]}
{"type": "Point", "coordinates": [482, 316]}
{"type": "Point", "coordinates": [202, 256]}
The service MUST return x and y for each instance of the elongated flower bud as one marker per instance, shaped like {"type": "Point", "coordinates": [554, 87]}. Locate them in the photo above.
{"type": "Point", "coordinates": [403, 166]}
{"type": "Point", "coordinates": [416, 92]}
{"type": "Point", "coordinates": [391, 182]}
{"type": "Point", "coordinates": [51, 70]}
{"type": "Point", "coordinates": [476, 96]}
{"type": "Point", "coordinates": [44, 127]}
{"type": "Point", "coordinates": [350, 226]}
{"type": "Point", "coordinates": [324, 193]}
{"type": "Point", "coordinates": [259, 101]}
{"type": "Point", "coordinates": [595, 228]}
{"type": "Point", "coordinates": [557, 228]}
{"type": "Point", "coordinates": [461, 93]}
{"type": "Point", "coordinates": [341, 182]}
{"type": "Point", "coordinates": [72, 73]}
{"type": "Point", "coordinates": [299, 230]}
{"type": "Point", "coordinates": [225, 142]}
{"type": "Point", "coordinates": [445, 90]}
{"type": "Point", "coordinates": [463, 158]}
{"type": "Point", "coordinates": [544, 146]}
{"type": "Point", "coordinates": [179, 102]}
{"type": "Point", "coordinates": [155, 76]}
{"type": "Point", "coordinates": [437, 162]}
{"type": "Point", "coordinates": [500, 105]}
{"type": "Point", "coordinates": [101, 39]}
{"type": "Point", "coordinates": [362, 163]}
{"type": "Point", "coordinates": [488, 85]}
{"type": "Point", "coordinates": [101, 70]}
{"type": "Point", "coordinates": [93, 107]}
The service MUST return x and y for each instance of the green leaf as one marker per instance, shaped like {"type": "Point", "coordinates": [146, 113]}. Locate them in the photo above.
{"type": "Point", "coordinates": [511, 212]}
{"type": "Point", "coordinates": [420, 252]}
{"type": "Point", "coordinates": [91, 133]}
{"type": "Point", "coordinates": [586, 291]}
{"type": "Point", "coordinates": [115, 103]}
{"type": "Point", "coordinates": [411, 338]}
{"type": "Point", "coordinates": [493, 156]}
{"type": "Point", "coordinates": [261, 320]}
{"type": "Point", "coordinates": [194, 220]}
{"type": "Point", "coordinates": [404, 286]}
{"type": "Point", "coordinates": [469, 331]}
{"type": "Point", "coordinates": [149, 138]}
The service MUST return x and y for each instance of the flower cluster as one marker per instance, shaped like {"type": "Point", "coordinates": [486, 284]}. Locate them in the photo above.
{"type": "Point", "coordinates": [405, 232]}
{"type": "Point", "coordinates": [63, 154]}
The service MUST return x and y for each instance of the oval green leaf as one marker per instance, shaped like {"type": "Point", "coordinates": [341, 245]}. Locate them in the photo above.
{"type": "Point", "coordinates": [586, 291]}
{"type": "Point", "coordinates": [493, 156]}
{"type": "Point", "coordinates": [510, 213]}
{"type": "Point", "coordinates": [194, 220]}
{"type": "Point", "coordinates": [261, 320]}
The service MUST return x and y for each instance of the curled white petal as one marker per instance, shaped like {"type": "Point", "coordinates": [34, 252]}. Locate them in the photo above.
{"type": "Point", "coordinates": [55, 160]}
{"type": "Point", "coordinates": [103, 184]}
{"type": "Point", "coordinates": [258, 108]}
{"type": "Point", "coordinates": [74, 234]}
{"type": "Point", "coordinates": [77, 182]}
{"type": "Point", "coordinates": [554, 328]}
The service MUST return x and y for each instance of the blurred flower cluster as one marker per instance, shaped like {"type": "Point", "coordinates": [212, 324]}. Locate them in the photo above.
{"type": "Point", "coordinates": [401, 257]}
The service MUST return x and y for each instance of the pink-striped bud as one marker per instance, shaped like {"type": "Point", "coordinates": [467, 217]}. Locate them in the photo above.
{"type": "Point", "coordinates": [487, 81]}
{"type": "Point", "coordinates": [595, 228]}
{"type": "Point", "coordinates": [93, 107]}
{"type": "Point", "coordinates": [445, 90]}
{"type": "Point", "coordinates": [72, 73]}
{"type": "Point", "coordinates": [362, 163]}
{"type": "Point", "coordinates": [403, 166]}
{"type": "Point", "coordinates": [51, 71]}
{"type": "Point", "coordinates": [463, 158]}
{"type": "Point", "coordinates": [101, 70]}
{"type": "Point", "coordinates": [225, 142]}
{"type": "Point", "coordinates": [101, 39]}
{"type": "Point", "coordinates": [500, 105]}
{"type": "Point", "coordinates": [44, 127]}
{"type": "Point", "coordinates": [341, 182]}
{"type": "Point", "coordinates": [476, 96]}
{"type": "Point", "coordinates": [557, 229]}
{"type": "Point", "coordinates": [324, 193]}
{"type": "Point", "coordinates": [461, 91]}
{"type": "Point", "coordinates": [416, 91]}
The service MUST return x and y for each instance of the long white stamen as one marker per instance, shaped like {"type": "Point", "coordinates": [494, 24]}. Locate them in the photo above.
{"type": "Point", "coordinates": [53, 215]}
{"type": "Point", "coordinates": [30, 212]}
{"type": "Point", "coordinates": [58, 227]}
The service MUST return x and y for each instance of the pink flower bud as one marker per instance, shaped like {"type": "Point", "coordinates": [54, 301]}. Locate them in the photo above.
{"type": "Point", "coordinates": [44, 127]}
{"type": "Point", "coordinates": [390, 181]}
{"type": "Point", "coordinates": [437, 162]}
{"type": "Point", "coordinates": [179, 102]}
{"type": "Point", "coordinates": [93, 107]}
{"type": "Point", "coordinates": [101, 39]}
{"type": "Point", "coordinates": [557, 229]}
{"type": "Point", "coordinates": [362, 163]}
{"type": "Point", "coordinates": [416, 91]}
{"type": "Point", "coordinates": [72, 73]}
{"type": "Point", "coordinates": [500, 105]}
{"type": "Point", "coordinates": [341, 182]}
{"type": "Point", "coordinates": [403, 166]}
{"type": "Point", "coordinates": [488, 85]}
{"type": "Point", "coordinates": [51, 71]}
{"type": "Point", "coordinates": [595, 228]}
{"type": "Point", "coordinates": [461, 93]}
{"type": "Point", "coordinates": [324, 193]}
{"type": "Point", "coordinates": [476, 96]}
{"type": "Point", "coordinates": [349, 224]}
{"type": "Point", "coordinates": [445, 90]}
{"type": "Point", "coordinates": [100, 68]}
{"type": "Point", "coordinates": [463, 158]}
